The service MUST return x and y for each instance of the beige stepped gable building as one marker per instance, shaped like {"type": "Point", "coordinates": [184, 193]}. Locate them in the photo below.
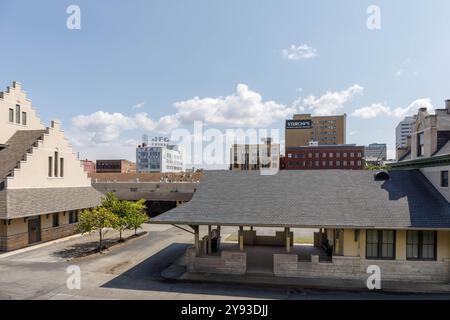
{"type": "Point", "coordinates": [43, 185]}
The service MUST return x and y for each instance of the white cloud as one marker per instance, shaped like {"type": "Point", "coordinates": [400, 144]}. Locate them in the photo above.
{"type": "Point", "coordinates": [243, 109]}
{"type": "Point", "coordinates": [371, 111]}
{"type": "Point", "coordinates": [378, 109]}
{"type": "Point", "coordinates": [330, 102]}
{"type": "Point", "coordinates": [302, 51]}
{"type": "Point", "coordinates": [399, 72]}
{"type": "Point", "coordinates": [138, 105]}
{"type": "Point", "coordinates": [103, 127]}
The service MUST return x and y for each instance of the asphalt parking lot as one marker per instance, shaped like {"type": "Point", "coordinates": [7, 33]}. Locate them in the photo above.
{"type": "Point", "coordinates": [133, 271]}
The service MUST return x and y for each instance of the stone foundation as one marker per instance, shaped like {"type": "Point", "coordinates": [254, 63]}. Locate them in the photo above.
{"type": "Point", "coordinates": [288, 265]}
{"type": "Point", "coordinates": [228, 262]}
{"type": "Point", "coordinates": [20, 240]}
{"type": "Point", "coordinates": [49, 234]}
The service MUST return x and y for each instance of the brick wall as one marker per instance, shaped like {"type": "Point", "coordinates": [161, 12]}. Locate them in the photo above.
{"type": "Point", "coordinates": [20, 240]}
{"type": "Point", "coordinates": [228, 262]}
{"type": "Point", "coordinates": [288, 265]}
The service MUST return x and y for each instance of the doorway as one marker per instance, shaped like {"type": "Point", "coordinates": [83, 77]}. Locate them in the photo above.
{"type": "Point", "coordinates": [34, 229]}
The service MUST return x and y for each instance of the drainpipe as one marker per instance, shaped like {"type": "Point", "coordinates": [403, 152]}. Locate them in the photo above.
{"type": "Point", "coordinates": [287, 232]}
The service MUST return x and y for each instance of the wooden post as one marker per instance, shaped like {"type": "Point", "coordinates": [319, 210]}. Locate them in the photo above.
{"type": "Point", "coordinates": [241, 238]}
{"type": "Point", "coordinates": [209, 240]}
{"type": "Point", "coordinates": [288, 239]}
{"type": "Point", "coordinates": [197, 240]}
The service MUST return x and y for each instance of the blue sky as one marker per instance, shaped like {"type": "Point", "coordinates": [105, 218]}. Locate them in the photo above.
{"type": "Point", "coordinates": [135, 67]}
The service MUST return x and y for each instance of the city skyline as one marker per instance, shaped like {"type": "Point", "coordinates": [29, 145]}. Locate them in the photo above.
{"type": "Point", "coordinates": [153, 67]}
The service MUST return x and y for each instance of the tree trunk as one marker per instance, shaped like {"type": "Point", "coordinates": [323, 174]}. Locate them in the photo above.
{"type": "Point", "coordinates": [135, 231]}
{"type": "Point", "coordinates": [120, 235]}
{"type": "Point", "coordinates": [100, 233]}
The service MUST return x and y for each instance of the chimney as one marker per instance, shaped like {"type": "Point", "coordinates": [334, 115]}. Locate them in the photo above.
{"type": "Point", "coordinates": [447, 104]}
{"type": "Point", "coordinates": [55, 124]}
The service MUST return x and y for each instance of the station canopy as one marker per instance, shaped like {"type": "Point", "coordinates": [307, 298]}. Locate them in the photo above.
{"type": "Point", "coordinates": [314, 199]}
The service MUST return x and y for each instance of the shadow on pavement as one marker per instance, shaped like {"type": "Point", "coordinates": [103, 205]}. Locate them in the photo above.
{"type": "Point", "coordinates": [147, 276]}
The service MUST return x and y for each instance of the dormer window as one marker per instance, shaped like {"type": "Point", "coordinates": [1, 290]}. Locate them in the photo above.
{"type": "Point", "coordinates": [420, 144]}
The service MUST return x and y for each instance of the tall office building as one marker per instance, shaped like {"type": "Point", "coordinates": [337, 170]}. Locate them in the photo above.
{"type": "Point", "coordinates": [326, 130]}
{"type": "Point", "coordinates": [375, 152]}
{"type": "Point", "coordinates": [159, 155]}
{"type": "Point", "coordinates": [403, 130]}
{"type": "Point", "coordinates": [255, 156]}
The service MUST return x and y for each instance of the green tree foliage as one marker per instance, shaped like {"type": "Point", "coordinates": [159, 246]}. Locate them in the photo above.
{"type": "Point", "coordinates": [118, 208]}
{"type": "Point", "coordinates": [130, 214]}
{"type": "Point", "coordinates": [97, 219]}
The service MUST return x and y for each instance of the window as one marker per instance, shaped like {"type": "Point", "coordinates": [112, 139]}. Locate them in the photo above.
{"type": "Point", "coordinates": [11, 115]}
{"type": "Point", "coordinates": [331, 163]}
{"type": "Point", "coordinates": [324, 155]}
{"type": "Point", "coordinates": [420, 144]}
{"type": "Point", "coordinates": [324, 163]}
{"type": "Point", "coordinates": [444, 179]}
{"type": "Point", "coordinates": [17, 113]}
{"type": "Point", "coordinates": [338, 163]}
{"type": "Point", "coordinates": [380, 244]}
{"type": "Point", "coordinates": [345, 154]}
{"type": "Point", "coordinates": [24, 118]}
{"type": "Point", "coordinates": [421, 245]}
{"type": "Point", "coordinates": [50, 166]}
{"type": "Point", "coordinates": [56, 163]}
{"type": "Point", "coordinates": [352, 155]}
{"type": "Point", "coordinates": [61, 167]}
{"type": "Point", "coordinates": [331, 155]}
{"type": "Point", "coordinates": [73, 216]}
{"type": "Point", "coordinates": [359, 154]}
{"type": "Point", "coordinates": [55, 220]}
{"type": "Point", "coordinates": [352, 163]}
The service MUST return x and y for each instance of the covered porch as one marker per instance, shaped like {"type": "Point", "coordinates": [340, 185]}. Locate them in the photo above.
{"type": "Point", "coordinates": [254, 251]}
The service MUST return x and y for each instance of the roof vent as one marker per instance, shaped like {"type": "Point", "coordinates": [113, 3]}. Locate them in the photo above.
{"type": "Point", "coordinates": [381, 176]}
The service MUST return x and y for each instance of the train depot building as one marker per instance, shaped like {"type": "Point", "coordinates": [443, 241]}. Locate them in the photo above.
{"type": "Point", "coordinates": [396, 220]}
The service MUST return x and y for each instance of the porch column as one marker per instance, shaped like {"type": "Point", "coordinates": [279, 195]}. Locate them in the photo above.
{"type": "Point", "coordinates": [287, 231]}
{"type": "Point", "coordinates": [241, 238]}
{"type": "Point", "coordinates": [209, 239]}
{"type": "Point", "coordinates": [197, 239]}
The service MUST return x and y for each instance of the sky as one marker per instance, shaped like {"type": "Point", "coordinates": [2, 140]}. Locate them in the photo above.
{"type": "Point", "coordinates": [151, 67]}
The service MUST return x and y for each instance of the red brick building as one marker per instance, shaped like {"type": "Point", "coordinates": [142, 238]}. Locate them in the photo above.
{"type": "Point", "coordinates": [115, 166]}
{"type": "Point", "coordinates": [88, 165]}
{"type": "Point", "coordinates": [346, 157]}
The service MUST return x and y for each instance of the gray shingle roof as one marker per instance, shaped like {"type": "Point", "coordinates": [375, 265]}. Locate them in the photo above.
{"type": "Point", "coordinates": [34, 201]}
{"type": "Point", "coordinates": [16, 148]}
{"type": "Point", "coordinates": [444, 150]}
{"type": "Point", "coordinates": [328, 198]}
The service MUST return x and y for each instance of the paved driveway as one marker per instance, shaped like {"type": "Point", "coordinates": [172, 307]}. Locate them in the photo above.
{"type": "Point", "coordinates": [132, 271]}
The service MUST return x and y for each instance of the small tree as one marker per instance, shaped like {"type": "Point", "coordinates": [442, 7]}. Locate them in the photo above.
{"type": "Point", "coordinates": [118, 208]}
{"type": "Point", "coordinates": [96, 219]}
{"type": "Point", "coordinates": [135, 215]}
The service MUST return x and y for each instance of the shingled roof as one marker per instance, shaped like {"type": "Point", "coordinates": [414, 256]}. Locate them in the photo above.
{"type": "Point", "coordinates": [16, 148]}
{"type": "Point", "coordinates": [322, 198]}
